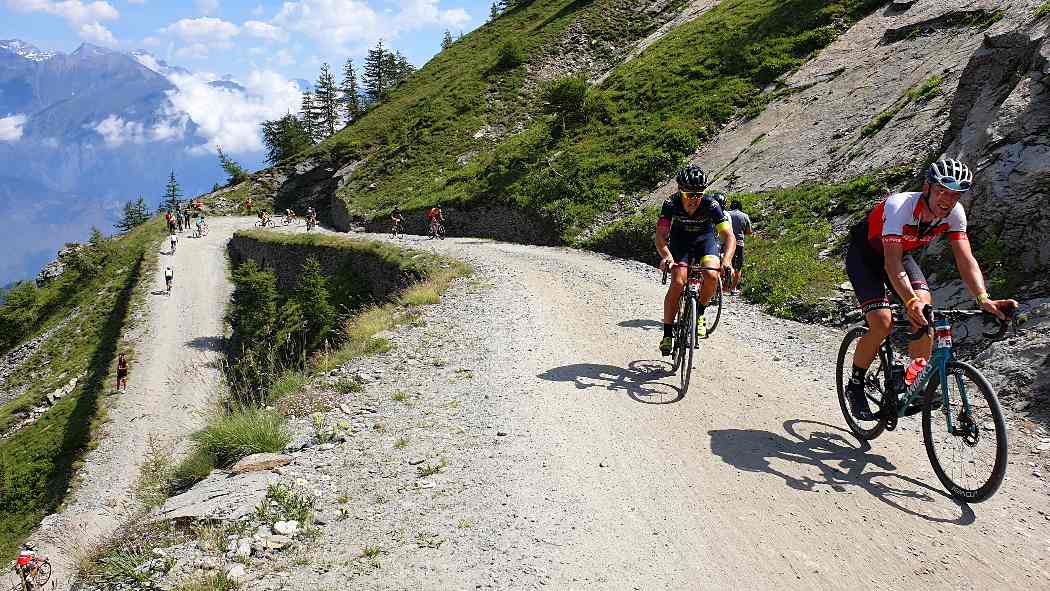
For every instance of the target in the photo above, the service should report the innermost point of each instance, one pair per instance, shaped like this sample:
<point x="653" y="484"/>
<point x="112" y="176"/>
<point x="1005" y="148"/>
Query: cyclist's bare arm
<point x="662" y="232"/>
<point x="894" y="265"/>
<point x="725" y="229"/>
<point x="970" y="271"/>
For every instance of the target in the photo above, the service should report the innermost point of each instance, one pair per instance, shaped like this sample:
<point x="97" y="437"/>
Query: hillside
<point x="59" y="347"/>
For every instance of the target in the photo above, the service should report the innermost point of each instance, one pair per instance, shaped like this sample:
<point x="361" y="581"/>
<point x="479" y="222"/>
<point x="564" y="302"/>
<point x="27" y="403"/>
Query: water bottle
<point x="914" y="369"/>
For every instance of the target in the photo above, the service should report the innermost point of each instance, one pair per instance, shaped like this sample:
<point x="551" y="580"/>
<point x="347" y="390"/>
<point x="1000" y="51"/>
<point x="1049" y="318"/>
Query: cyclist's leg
<point x="738" y="264"/>
<point x="924" y="346"/>
<point x="867" y="277"/>
<point x="706" y="250"/>
<point x="679" y="276"/>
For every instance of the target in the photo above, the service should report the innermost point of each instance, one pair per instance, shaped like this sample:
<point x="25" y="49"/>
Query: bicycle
<point x="32" y="575"/>
<point x="204" y="229"/>
<point x="965" y="426"/>
<point x="437" y="230"/>
<point x="684" y="331"/>
<point x="396" y="229"/>
<point x="310" y="223"/>
<point x="269" y="223"/>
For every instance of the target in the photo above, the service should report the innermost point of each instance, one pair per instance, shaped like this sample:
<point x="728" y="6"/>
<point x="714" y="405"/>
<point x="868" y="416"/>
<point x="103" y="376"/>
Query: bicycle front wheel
<point x="688" y="340"/>
<point x="873" y="384"/>
<point x="42" y="574"/>
<point x="713" y="311"/>
<point x="970" y="459"/>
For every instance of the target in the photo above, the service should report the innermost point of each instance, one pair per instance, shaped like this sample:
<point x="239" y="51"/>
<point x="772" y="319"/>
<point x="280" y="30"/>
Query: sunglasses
<point x="954" y="184"/>
<point x="692" y="195"/>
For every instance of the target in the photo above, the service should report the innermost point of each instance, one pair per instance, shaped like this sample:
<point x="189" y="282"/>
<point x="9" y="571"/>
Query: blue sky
<point x="238" y="37"/>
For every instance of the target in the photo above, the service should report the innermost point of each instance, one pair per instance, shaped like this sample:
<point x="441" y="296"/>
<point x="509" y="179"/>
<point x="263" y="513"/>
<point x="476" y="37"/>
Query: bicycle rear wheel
<point x="873" y="384"/>
<point x="688" y="340"/>
<point x="713" y="311"/>
<point x="970" y="461"/>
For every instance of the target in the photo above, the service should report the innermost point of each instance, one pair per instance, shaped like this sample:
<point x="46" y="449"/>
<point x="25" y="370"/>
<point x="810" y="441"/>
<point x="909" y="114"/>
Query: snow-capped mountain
<point x="25" y="50"/>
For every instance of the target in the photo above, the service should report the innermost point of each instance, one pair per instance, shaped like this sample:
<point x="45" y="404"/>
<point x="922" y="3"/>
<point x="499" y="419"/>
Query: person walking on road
<point x="174" y="240"/>
<point x="741" y="227"/>
<point x="122" y="373"/>
<point x="169" y="278"/>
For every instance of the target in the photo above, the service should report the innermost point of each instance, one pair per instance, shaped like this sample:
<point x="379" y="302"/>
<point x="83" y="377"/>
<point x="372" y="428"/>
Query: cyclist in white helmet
<point x="879" y="256"/>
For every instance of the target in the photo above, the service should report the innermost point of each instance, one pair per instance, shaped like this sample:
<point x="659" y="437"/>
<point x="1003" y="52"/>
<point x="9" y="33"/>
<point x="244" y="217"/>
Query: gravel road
<point x="569" y="463"/>
<point x="174" y="377"/>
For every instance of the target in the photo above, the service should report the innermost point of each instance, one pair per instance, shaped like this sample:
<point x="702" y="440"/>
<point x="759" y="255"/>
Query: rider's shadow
<point x="642" y="323"/>
<point x="640" y="379"/>
<point x="834" y="453"/>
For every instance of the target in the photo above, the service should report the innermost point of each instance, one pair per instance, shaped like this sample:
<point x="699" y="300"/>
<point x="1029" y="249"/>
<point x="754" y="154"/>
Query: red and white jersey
<point x="895" y="220"/>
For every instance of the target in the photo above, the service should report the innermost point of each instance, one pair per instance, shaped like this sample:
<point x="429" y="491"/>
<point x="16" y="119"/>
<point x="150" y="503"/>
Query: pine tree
<point x="309" y="117"/>
<point x="446" y="41"/>
<point x="494" y="10"/>
<point x="237" y="174"/>
<point x="135" y="214"/>
<point x="351" y="94"/>
<point x="285" y="137"/>
<point x="314" y="303"/>
<point x="172" y="192"/>
<point x="375" y="73"/>
<point x="402" y="69"/>
<point x="326" y="102"/>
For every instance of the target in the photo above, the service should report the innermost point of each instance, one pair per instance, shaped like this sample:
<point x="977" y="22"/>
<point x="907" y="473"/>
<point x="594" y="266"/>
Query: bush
<point x="565" y="98"/>
<point x="510" y="55"/>
<point x="235" y="434"/>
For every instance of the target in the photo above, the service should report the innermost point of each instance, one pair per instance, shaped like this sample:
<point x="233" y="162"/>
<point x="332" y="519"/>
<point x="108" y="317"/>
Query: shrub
<point x="565" y="98"/>
<point x="510" y="55"/>
<point x="232" y="435"/>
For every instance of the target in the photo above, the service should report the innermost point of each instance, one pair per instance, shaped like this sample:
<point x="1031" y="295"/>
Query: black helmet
<point x="691" y="178"/>
<point x="720" y="198"/>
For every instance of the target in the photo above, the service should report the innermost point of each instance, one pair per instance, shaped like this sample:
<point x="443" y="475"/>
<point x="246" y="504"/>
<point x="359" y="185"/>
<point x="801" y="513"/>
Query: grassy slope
<point x="37" y="463"/>
<point x="664" y="102"/>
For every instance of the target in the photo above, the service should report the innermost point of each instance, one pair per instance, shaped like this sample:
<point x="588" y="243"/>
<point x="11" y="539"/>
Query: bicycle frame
<point x="942" y="356"/>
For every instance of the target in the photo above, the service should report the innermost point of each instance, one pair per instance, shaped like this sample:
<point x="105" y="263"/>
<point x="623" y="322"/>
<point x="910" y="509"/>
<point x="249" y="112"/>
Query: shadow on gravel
<point x="841" y="462"/>
<point x="207" y="343"/>
<point x="642" y="323"/>
<point x="640" y="379"/>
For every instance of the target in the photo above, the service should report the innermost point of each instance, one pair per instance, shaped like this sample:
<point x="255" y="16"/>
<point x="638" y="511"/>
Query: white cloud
<point x="231" y="118"/>
<point x="258" y="11"/>
<point x="136" y="1"/>
<point x="337" y="24"/>
<point x="11" y="127"/>
<point x="85" y="18"/>
<point x="150" y="41"/>
<point x="117" y="132"/>
<point x="266" y="31"/>
<point x="207" y="6"/>
<point x="202" y="30"/>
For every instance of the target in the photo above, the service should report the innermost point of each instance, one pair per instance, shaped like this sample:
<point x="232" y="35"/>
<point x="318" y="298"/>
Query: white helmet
<point x="950" y="174"/>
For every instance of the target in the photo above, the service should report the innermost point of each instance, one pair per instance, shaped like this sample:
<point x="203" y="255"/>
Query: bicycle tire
<point x="843" y="372"/>
<point x="42" y="574"/>
<point x="677" y="332"/>
<point x="714" y="305"/>
<point x="688" y="345"/>
<point x="987" y="485"/>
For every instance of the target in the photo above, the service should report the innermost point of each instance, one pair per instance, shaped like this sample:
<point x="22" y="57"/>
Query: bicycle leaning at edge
<point x="33" y="573"/>
<point x="969" y="454"/>
<point x="684" y="331"/>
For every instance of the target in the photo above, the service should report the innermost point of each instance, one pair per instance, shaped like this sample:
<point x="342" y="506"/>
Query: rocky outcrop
<point x="55" y="268"/>
<point x="220" y="496"/>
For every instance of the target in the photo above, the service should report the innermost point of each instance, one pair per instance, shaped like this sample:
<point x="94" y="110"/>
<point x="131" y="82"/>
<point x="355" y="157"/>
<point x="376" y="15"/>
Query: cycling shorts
<point x="867" y="274"/>
<point x="703" y="245"/>
<point x="738" y="255"/>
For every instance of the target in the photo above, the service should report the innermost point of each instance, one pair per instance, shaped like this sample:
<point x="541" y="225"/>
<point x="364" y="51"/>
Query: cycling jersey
<point x="895" y="220"/>
<point x="685" y="227"/>
<point x="434" y="213"/>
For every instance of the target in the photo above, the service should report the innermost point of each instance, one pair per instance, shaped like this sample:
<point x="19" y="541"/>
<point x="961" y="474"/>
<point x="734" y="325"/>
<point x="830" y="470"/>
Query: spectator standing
<point x="741" y="227"/>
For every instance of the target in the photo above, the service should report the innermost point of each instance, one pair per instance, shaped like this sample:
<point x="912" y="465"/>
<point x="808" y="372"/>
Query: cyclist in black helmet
<point x="687" y="225"/>
<point x="879" y="256"/>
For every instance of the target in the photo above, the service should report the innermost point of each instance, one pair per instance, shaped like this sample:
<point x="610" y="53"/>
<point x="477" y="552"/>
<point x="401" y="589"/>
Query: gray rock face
<point x="55" y="268"/>
<point x="219" y="496"/>
<point x="260" y="462"/>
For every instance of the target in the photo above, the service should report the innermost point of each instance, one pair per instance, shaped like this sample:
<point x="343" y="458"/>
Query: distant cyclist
<point x="398" y="221"/>
<point x="174" y="240"/>
<point x="200" y="224"/>
<point x="686" y="228"/>
<point x="169" y="278"/>
<point x="741" y="227"/>
<point x="879" y="256"/>
<point x="122" y="373"/>
<point x="437" y="219"/>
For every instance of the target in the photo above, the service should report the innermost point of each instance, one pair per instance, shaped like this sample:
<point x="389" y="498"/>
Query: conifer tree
<point x="172" y="193"/>
<point x="351" y="94"/>
<point x="446" y="41"/>
<point x="236" y="172"/>
<point x="135" y="214"/>
<point x="375" y="73"/>
<point x="309" y="117"/>
<point x="326" y="102"/>
<point x="285" y="137"/>
<point x="401" y="68"/>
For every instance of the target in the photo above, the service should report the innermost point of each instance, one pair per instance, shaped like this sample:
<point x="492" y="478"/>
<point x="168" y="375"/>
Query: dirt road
<point x="601" y="479"/>
<point x="172" y="380"/>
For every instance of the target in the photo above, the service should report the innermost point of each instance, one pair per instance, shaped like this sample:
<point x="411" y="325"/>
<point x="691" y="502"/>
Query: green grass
<point x="117" y="559"/>
<point x="288" y="383"/>
<point x="1042" y="10"/>
<point x="656" y="109"/>
<point x="213" y="582"/>
<point x="233" y="434"/>
<point x="38" y="462"/>
<point x="923" y="92"/>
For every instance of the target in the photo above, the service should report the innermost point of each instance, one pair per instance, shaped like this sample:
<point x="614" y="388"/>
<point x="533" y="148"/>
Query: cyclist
<point x="879" y="256"/>
<point x="169" y="278"/>
<point x="122" y="373"/>
<point x="200" y="224"/>
<point x="311" y="218"/>
<point x="741" y="227"/>
<point x="689" y="219"/>
<point x="398" y="221"/>
<point x="436" y="217"/>
<point x="25" y="563"/>
<point x="174" y="240"/>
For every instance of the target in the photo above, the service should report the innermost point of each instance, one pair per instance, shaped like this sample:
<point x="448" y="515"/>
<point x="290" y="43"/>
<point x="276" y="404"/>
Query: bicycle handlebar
<point x="997" y="335"/>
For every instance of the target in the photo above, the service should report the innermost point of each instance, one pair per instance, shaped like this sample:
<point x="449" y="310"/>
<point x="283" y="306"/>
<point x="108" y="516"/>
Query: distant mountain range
<point x="80" y="134"/>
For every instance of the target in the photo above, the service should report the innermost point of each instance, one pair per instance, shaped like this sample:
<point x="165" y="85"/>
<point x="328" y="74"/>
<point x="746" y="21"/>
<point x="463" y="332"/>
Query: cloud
<point x="207" y="6"/>
<point x="337" y="24"/>
<point x="266" y="31"/>
<point x="85" y="18"/>
<point x="231" y="118"/>
<point x="116" y="132"/>
<point x="201" y="35"/>
<point x="11" y="127"/>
